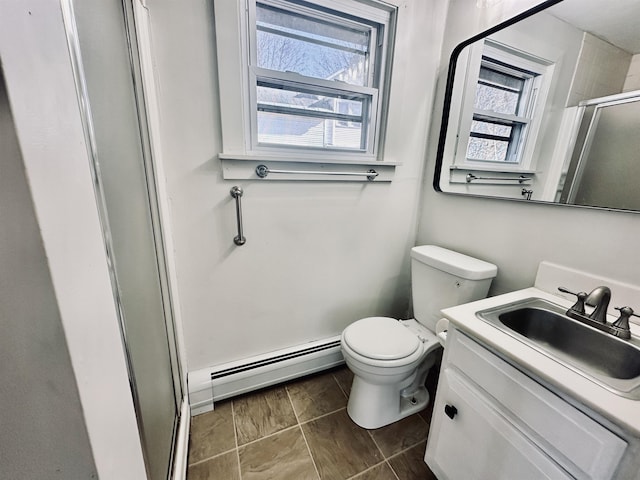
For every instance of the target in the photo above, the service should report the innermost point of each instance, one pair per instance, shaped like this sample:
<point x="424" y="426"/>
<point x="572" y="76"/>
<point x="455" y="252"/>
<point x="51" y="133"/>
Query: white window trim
<point x="232" y="26"/>
<point x="542" y="83"/>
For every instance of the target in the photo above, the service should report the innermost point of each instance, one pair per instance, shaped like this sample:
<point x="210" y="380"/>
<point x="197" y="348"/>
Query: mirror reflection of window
<point x="506" y="93"/>
<point x="499" y="118"/>
<point x="590" y="56"/>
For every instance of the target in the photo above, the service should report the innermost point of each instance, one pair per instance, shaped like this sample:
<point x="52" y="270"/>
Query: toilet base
<point x="374" y="406"/>
<point x="374" y="402"/>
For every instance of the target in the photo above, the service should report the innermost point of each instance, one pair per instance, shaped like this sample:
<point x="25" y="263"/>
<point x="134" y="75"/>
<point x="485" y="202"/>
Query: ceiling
<point x="615" y="21"/>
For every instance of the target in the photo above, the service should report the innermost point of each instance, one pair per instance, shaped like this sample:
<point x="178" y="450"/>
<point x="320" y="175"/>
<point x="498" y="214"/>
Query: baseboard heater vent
<point x="217" y="383"/>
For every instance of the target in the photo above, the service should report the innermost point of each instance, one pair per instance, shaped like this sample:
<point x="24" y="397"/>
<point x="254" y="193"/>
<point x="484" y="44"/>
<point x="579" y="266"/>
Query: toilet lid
<point x="381" y="338"/>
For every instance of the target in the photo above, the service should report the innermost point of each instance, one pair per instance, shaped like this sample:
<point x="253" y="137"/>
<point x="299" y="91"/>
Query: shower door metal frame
<point x="176" y="367"/>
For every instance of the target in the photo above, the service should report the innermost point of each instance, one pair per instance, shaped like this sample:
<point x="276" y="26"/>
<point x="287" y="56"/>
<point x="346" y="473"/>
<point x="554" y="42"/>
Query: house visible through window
<point x="316" y="75"/>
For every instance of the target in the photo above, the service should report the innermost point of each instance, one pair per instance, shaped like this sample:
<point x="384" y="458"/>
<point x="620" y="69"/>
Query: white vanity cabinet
<point x="492" y="422"/>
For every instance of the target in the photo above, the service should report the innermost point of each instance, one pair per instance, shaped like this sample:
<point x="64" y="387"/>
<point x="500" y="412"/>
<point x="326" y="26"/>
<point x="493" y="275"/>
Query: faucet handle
<point x="579" y="305"/>
<point x="625" y="313"/>
<point x="621" y="325"/>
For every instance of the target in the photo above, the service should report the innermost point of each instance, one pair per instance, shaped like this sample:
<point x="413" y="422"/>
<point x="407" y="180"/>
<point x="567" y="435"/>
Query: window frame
<point x="236" y="48"/>
<point x="518" y="121"/>
<point x="323" y="87"/>
<point x="538" y="75"/>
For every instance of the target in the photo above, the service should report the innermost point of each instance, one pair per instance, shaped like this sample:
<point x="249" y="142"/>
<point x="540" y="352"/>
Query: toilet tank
<point x="442" y="278"/>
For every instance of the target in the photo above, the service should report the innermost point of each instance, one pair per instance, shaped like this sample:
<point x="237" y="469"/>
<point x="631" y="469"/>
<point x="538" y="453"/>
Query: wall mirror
<point x="546" y="107"/>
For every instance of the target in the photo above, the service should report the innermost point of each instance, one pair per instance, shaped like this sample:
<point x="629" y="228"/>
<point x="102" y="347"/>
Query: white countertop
<point x="622" y="411"/>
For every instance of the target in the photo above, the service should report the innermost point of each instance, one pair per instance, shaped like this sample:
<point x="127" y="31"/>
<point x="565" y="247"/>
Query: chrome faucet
<point x="599" y="299"/>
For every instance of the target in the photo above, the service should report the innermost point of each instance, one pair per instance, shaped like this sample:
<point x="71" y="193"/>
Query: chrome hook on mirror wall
<point x="236" y="192"/>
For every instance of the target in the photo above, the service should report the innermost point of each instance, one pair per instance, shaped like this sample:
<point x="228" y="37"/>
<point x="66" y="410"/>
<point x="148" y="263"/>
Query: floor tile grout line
<point x="405" y="450"/>
<point x="346" y="395"/>
<point x="355" y="477"/>
<point x="376" y="444"/>
<point x="235" y="436"/>
<point x="386" y="460"/>
<point x="352" y="477"/>
<point x="212" y="457"/>
<point x="291" y="427"/>
<point x="322" y="416"/>
<point x="304" y="437"/>
<point x="397" y="455"/>
<point x="313" y="461"/>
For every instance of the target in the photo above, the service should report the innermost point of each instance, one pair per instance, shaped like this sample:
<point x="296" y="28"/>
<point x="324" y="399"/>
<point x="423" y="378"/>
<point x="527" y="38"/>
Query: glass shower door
<point x="125" y="188"/>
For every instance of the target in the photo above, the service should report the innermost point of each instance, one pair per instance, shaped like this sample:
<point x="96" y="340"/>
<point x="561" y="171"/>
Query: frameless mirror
<point x="546" y="107"/>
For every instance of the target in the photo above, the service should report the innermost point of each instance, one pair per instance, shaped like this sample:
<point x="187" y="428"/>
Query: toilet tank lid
<point x="455" y="263"/>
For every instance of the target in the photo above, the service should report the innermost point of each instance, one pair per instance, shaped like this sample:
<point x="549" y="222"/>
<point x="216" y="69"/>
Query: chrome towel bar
<point x="521" y="179"/>
<point x="236" y="192"/>
<point x="262" y="171"/>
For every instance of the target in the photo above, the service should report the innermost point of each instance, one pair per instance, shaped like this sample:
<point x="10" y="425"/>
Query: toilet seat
<point x="382" y="341"/>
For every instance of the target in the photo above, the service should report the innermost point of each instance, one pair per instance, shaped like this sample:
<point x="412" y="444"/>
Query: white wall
<point x="632" y="81"/>
<point x="319" y="255"/>
<point x="601" y="70"/>
<point x="517" y="236"/>
<point x="38" y="393"/>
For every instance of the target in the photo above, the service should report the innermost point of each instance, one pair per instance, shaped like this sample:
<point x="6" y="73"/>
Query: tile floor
<point x="301" y="431"/>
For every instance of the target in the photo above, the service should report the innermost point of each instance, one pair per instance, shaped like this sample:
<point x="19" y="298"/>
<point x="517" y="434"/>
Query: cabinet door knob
<point x="450" y="410"/>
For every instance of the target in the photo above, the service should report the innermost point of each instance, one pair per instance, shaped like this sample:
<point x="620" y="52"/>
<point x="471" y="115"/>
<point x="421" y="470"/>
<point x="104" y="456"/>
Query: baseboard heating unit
<point x="213" y="384"/>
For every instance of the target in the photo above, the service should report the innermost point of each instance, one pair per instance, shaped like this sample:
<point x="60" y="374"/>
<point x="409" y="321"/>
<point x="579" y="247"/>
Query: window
<point x="317" y="78"/>
<point x="315" y="75"/>
<point x="509" y="91"/>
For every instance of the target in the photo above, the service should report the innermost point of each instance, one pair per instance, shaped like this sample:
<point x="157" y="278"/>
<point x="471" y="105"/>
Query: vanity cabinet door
<point x="470" y="440"/>
<point x="576" y="442"/>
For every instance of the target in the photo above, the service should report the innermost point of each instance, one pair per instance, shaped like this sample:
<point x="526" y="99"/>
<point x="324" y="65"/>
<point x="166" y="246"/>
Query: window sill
<point x="244" y="167"/>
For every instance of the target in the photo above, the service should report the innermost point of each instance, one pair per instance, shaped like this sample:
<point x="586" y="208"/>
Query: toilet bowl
<point x="387" y="386"/>
<point x="390" y="359"/>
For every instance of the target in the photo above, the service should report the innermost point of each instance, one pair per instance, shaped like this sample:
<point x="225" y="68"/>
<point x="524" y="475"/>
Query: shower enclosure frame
<point x="176" y="467"/>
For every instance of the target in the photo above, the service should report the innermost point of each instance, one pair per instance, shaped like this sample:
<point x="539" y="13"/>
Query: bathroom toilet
<point x="390" y="358"/>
